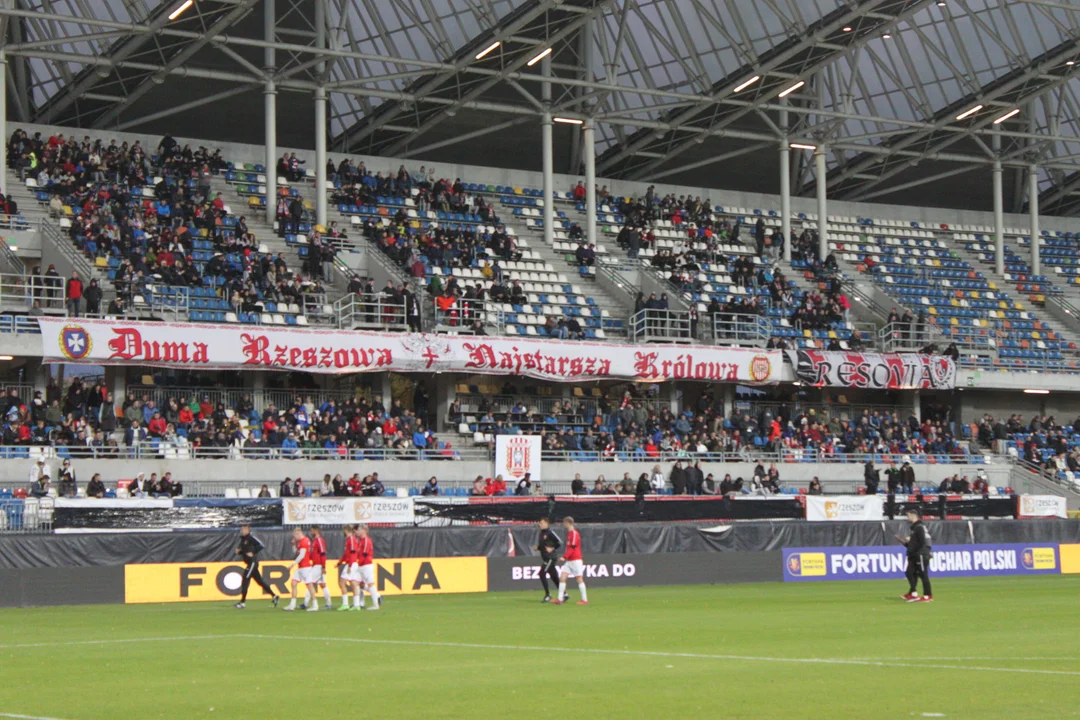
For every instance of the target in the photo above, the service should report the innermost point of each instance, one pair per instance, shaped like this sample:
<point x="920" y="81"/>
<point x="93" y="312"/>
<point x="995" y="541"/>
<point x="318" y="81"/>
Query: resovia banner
<point x="346" y="511"/>
<point x="887" y="563"/>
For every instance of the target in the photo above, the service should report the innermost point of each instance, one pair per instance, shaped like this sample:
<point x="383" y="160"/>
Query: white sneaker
<point x="289" y="608"/>
<point x="313" y="608"/>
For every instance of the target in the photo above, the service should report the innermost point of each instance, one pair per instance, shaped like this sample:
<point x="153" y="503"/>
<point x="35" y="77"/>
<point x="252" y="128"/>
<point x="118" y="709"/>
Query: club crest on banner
<point x="363" y="510"/>
<point x="760" y="368"/>
<point x="75" y="342"/>
<point x="296" y="510"/>
<point x="519" y="457"/>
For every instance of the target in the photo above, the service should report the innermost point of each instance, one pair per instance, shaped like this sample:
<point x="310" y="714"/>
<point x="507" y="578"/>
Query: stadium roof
<point x="886" y="85"/>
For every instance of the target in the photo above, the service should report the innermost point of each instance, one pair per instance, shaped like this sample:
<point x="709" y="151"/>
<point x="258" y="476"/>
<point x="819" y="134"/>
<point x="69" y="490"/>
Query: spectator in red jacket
<point x="157" y="425"/>
<point x="74" y="293"/>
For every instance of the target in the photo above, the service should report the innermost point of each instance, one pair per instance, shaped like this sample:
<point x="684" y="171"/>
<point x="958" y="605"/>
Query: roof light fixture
<point x="1070" y="62"/>
<point x="7" y="357"/>
<point x="847" y="28"/>
<point x="180" y="10"/>
<point x="802" y="146"/>
<point x="793" y="88"/>
<point x="569" y="121"/>
<point x="488" y="50"/>
<point x="1031" y="391"/>
<point x="543" y="54"/>
<point x="886" y="36"/>
<point x="968" y="113"/>
<point x="1006" y="116"/>
<point x="747" y="83"/>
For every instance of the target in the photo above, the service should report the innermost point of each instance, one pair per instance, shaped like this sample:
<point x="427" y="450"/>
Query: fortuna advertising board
<point x="191" y="345"/>
<point x="884" y="563"/>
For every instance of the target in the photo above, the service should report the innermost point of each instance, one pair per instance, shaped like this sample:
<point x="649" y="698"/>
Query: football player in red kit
<point x="366" y="561"/>
<point x="349" y="570"/>
<point x="574" y="566"/>
<point x="300" y="569"/>
<point x="318" y="560"/>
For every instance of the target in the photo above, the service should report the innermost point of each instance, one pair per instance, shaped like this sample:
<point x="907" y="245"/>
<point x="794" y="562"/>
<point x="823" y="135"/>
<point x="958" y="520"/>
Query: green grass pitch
<point x="986" y="648"/>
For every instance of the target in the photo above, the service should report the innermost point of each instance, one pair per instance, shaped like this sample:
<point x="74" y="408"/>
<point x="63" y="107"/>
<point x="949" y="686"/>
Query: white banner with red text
<point x="517" y="456"/>
<point x="845" y="507"/>
<point x="258" y="347"/>
<point x="874" y="371"/>
<point x="346" y="510"/>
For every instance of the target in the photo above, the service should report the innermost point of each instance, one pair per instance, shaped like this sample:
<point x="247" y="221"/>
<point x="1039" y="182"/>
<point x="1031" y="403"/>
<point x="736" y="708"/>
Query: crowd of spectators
<point x="150" y="241"/>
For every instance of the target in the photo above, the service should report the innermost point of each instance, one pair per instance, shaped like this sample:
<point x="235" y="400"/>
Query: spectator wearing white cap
<point x="36" y="470"/>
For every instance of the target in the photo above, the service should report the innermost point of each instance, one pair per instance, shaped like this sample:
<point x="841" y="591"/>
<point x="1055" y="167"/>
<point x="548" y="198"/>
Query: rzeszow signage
<point x="190" y="345"/>
<point x="845" y="507"/>
<point x="516" y="456"/>
<point x="346" y="511"/>
<point x="1032" y="506"/>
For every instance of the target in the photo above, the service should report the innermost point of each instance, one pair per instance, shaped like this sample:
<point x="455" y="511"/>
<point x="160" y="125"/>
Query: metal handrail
<point x="20" y="291"/>
<point x="358" y="311"/>
<point x="651" y="325"/>
<point x="740" y="329"/>
<point x="67" y="248"/>
<point x="460" y="314"/>
<point x="482" y="452"/>
<point x="16" y="263"/>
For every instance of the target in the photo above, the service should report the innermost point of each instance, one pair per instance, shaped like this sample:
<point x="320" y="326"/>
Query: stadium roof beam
<point x="121" y="50"/>
<point x="550" y="19"/>
<point x="220" y="25"/>
<point x="794" y="60"/>
<point x="971" y="113"/>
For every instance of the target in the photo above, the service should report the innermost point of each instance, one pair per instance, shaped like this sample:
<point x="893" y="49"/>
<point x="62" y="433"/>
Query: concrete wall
<point x="556" y="475"/>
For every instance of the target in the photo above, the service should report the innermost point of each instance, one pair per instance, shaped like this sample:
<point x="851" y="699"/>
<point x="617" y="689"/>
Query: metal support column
<point x="270" y="110"/>
<point x="785" y="186"/>
<point x="549" y="156"/>
<point x="3" y="120"/>
<point x="999" y="210"/>
<point x="822" y="203"/>
<point x="320" y="117"/>
<point x="1033" y="207"/>
<point x="589" y="149"/>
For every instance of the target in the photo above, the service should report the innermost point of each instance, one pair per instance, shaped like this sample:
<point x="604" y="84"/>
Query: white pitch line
<point x="25" y="717"/>
<point x="546" y="648"/>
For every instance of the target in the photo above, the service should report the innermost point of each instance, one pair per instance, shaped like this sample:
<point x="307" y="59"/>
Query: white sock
<point x="584" y="595"/>
<point x="376" y="598"/>
<point x="358" y="599"/>
<point x="326" y="594"/>
<point x="562" y="589"/>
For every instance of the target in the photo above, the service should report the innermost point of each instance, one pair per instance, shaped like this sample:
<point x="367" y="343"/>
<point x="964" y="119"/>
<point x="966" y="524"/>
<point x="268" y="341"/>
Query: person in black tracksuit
<point x="249" y="549"/>
<point x="918" y="545"/>
<point x="548" y="543"/>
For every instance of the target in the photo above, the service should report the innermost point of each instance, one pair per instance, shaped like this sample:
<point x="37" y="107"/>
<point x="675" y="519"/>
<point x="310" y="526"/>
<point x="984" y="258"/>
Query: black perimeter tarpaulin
<point x="617" y="509"/>
<point x="183" y="514"/>
<point x="112" y="549"/>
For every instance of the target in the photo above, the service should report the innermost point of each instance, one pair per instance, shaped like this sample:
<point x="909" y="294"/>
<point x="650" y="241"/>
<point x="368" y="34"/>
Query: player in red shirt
<point x="574" y="566"/>
<point x="302" y="566"/>
<point x="349" y="569"/>
<point x="366" y="561"/>
<point x="318" y="568"/>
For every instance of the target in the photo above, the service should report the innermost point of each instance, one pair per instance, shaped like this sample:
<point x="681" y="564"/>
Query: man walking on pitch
<point x="574" y="565"/>
<point x="548" y="544"/>
<point x="248" y="550"/>
<point x="918" y="545"/>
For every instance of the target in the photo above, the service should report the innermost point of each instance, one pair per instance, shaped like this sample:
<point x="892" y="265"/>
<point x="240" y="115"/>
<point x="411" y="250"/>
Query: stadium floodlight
<point x="969" y="113"/>
<point x="543" y="54"/>
<point x="793" y="88"/>
<point x="488" y="50"/>
<point x="1030" y="391"/>
<point x="886" y="36"/>
<point x="747" y="83"/>
<point x="802" y="146"/>
<point x="1006" y="116"/>
<point x="7" y="357"/>
<point x="180" y="10"/>
<point x="847" y="28"/>
<point x="1070" y="62"/>
<point x="569" y="121"/>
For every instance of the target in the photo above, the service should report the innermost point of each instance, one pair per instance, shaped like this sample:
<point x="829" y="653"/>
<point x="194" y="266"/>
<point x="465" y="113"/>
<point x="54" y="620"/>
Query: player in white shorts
<point x="574" y="567"/>
<point x="349" y="569"/>
<point x="366" y="561"/>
